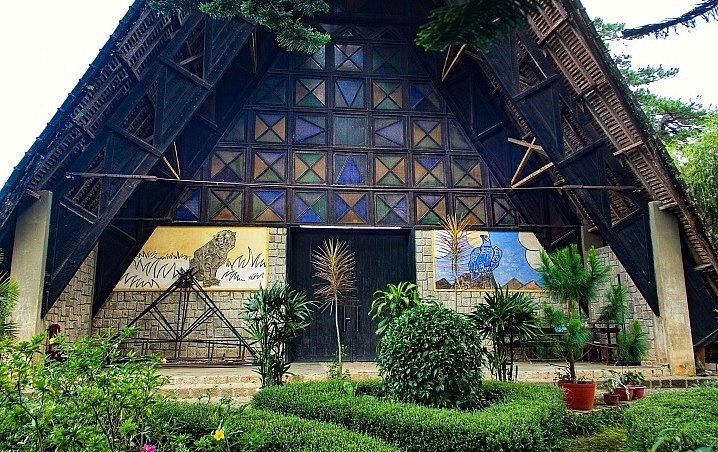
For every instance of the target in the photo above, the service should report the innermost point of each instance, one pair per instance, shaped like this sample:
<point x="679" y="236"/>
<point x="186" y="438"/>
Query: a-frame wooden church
<point x="184" y="121"/>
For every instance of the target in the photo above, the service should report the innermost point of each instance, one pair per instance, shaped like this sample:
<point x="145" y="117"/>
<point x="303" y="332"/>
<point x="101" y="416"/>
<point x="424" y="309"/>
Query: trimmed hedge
<point x="281" y="433"/>
<point x="693" y="413"/>
<point x="524" y="417"/>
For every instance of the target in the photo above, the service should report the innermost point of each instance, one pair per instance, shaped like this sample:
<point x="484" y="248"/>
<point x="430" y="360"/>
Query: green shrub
<point x="96" y="399"/>
<point x="251" y="429"/>
<point x="432" y="356"/>
<point x="689" y="416"/>
<point x="592" y="422"/>
<point x="526" y="417"/>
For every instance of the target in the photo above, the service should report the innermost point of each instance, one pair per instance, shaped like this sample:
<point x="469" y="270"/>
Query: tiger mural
<point x="212" y="255"/>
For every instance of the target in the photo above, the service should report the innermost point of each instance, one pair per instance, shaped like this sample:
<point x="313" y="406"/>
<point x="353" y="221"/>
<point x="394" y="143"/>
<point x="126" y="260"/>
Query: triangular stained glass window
<point x="310" y="92"/>
<point x="310" y="129"/>
<point x="350" y="169"/>
<point x="237" y="132"/>
<point x="270" y="128"/>
<point x="269" y="205"/>
<point x="456" y="137"/>
<point x="349" y="93"/>
<point x="429" y="171"/>
<point x="350" y="207"/>
<point x="348" y="57"/>
<point x="390" y="170"/>
<point x="310" y="167"/>
<point x="504" y="213"/>
<point x="389" y="132"/>
<point x="430" y="209"/>
<point x="391" y="209"/>
<point x="310" y="207"/>
<point x="387" y="95"/>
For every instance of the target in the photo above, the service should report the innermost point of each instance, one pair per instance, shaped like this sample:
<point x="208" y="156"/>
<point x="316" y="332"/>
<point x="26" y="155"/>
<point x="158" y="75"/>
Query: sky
<point x="49" y="44"/>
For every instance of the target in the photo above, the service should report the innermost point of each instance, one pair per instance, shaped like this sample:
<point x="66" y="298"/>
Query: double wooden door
<point x="382" y="256"/>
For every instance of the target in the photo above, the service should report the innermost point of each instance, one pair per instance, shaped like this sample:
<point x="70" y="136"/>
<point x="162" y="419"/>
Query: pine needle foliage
<point x="334" y="265"/>
<point x="474" y="22"/>
<point x="9" y="293"/>
<point x="284" y="17"/>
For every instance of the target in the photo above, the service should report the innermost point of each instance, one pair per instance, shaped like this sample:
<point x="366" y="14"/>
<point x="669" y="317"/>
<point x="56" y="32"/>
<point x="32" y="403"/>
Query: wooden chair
<point x="602" y="348"/>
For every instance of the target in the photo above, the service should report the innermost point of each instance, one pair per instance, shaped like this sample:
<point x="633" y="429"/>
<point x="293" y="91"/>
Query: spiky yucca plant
<point x="450" y="243"/>
<point x="333" y="263"/>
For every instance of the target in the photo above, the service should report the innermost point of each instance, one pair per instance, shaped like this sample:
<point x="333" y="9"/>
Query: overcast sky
<point x="47" y="46"/>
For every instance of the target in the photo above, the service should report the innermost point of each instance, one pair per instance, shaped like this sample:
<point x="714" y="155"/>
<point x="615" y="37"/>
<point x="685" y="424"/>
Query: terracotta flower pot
<point x="624" y="394"/>
<point x="610" y="398"/>
<point x="638" y="391"/>
<point x="579" y="396"/>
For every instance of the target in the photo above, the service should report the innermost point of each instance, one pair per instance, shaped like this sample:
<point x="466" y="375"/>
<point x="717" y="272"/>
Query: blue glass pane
<point x="389" y="132"/>
<point x="349" y="93"/>
<point x="350" y="169"/>
<point x="349" y="130"/>
<point x="310" y="129"/>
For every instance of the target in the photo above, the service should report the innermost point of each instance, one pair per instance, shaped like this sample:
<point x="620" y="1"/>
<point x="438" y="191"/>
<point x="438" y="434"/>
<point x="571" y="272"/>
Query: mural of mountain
<point x="531" y="285"/>
<point x="513" y="284"/>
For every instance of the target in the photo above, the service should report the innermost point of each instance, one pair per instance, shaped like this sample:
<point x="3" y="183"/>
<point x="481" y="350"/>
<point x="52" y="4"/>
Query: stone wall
<point x="73" y="309"/>
<point x="638" y="309"/>
<point x="464" y="301"/>
<point x="124" y="306"/>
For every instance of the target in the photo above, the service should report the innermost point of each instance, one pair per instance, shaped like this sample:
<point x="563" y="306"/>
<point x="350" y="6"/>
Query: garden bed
<point x="522" y="416"/>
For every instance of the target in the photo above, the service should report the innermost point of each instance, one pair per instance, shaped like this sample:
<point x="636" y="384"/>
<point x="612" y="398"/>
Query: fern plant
<point x="394" y="301"/>
<point x="333" y="264"/>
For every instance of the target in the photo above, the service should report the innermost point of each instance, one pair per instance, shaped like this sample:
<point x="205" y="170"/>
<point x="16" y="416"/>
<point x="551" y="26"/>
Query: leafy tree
<point x="475" y="22"/>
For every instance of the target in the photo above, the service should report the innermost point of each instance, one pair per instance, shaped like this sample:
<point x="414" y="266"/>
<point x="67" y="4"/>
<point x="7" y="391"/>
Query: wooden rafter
<point x="448" y="66"/>
<point x="531" y="147"/>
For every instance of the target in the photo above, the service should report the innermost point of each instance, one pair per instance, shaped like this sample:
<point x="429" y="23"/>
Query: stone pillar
<point x="673" y="326"/>
<point x="29" y="255"/>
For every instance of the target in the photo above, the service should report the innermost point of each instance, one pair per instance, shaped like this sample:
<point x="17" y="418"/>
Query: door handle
<point x="356" y="323"/>
<point x="346" y="319"/>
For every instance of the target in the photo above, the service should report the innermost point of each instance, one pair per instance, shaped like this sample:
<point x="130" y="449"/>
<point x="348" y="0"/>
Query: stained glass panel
<point x="310" y="207"/>
<point x="316" y="61"/>
<point x="310" y="129"/>
<point x="429" y="171"/>
<point x="390" y="170"/>
<point x="349" y="93"/>
<point x="272" y="91"/>
<point x="270" y="166"/>
<point x="269" y="205"/>
<point x="351" y="207"/>
<point x="270" y="128"/>
<point x="310" y="92"/>
<point x="426" y="133"/>
<point x="227" y="165"/>
<point x="471" y="208"/>
<point x="466" y="172"/>
<point x="349" y="130"/>
<point x="350" y="169"/>
<point x="188" y="210"/>
<point x="387" y="60"/>
<point x="424" y="97"/>
<point x="389" y="132"/>
<point x="430" y="209"/>
<point x="391" y="209"/>
<point x="387" y="95"/>
<point x="348" y="57"/>
<point x="225" y="205"/>
<point x="310" y="167"/>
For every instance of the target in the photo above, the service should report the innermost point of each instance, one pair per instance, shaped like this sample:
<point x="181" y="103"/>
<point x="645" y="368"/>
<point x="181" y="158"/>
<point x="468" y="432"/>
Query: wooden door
<point x="382" y="256"/>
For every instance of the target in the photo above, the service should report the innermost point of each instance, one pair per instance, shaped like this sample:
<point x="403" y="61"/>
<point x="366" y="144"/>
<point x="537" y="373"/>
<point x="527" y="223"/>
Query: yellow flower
<point x="218" y="434"/>
<point x="52" y="340"/>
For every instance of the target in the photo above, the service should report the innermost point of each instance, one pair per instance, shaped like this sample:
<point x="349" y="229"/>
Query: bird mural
<point x="484" y="259"/>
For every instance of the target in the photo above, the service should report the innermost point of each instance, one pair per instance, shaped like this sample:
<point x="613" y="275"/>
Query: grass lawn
<point x="611" y="439"/>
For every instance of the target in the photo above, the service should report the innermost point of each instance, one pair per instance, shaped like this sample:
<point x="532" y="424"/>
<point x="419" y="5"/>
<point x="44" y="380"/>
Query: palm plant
<point x="632" y="344"/>
<point x="334" y="264"/>
<point x="573" y="282"/>
<point x="389" y="304"/>
<point x="506" y="318"/>
<point x="273" y="316"/>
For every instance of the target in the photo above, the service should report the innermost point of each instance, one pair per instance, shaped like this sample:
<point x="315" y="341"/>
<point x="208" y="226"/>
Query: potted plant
<point x="506" y="319"/>
<point x="611" y="396"/>
<point x="573" y="281"/>
<point x="636" y="381"/>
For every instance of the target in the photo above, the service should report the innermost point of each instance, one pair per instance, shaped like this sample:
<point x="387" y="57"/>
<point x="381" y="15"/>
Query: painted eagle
<point x="484" y="259"/>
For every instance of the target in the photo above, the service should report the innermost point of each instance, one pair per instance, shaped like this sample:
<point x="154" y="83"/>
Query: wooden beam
<point x="532" y="176"/>
<point x="523" y="163"/>
<point x="447" y="70"/>
<point x="531" y="145"/>
<point x="638" y="143"/>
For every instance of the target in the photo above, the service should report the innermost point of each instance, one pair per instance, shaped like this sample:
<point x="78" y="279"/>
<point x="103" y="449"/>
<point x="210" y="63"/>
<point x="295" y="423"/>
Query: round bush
<point x="432" y="356"/>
